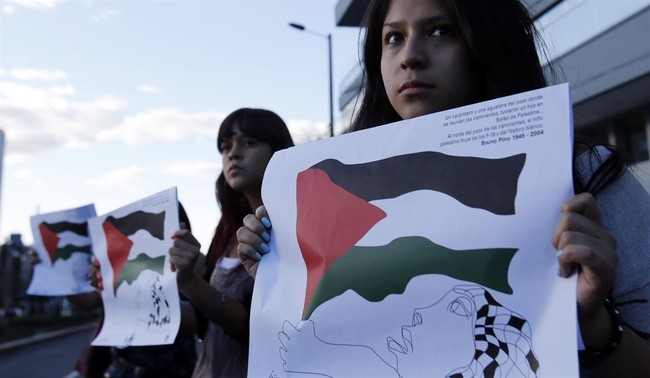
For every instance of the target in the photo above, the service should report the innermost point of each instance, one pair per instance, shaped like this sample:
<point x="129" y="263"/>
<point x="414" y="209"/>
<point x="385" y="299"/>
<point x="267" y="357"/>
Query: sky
<point x="108" y="102"/>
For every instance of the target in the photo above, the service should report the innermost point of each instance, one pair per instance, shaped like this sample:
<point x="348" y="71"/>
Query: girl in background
<point x="220" y="289"/>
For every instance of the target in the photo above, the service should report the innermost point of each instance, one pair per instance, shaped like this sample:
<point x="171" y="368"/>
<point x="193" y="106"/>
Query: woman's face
<point x="244" y="160"/>
<point x="426" y="65"/>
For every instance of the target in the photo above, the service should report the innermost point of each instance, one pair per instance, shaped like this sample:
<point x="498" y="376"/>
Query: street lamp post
<point x="329" y="50"/>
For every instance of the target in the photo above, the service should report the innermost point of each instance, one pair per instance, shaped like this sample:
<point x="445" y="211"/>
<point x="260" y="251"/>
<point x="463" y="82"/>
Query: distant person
<point x="247" y="139"/>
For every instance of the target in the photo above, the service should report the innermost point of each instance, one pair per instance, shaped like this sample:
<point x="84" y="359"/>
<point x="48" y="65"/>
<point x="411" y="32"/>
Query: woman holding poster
<point x="422" y="57"/>
<point x="247" y="139"/>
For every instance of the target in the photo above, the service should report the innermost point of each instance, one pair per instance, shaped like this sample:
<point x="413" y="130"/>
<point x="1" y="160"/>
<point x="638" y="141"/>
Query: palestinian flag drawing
<point x="118" y="230"/>
<point x="51" y="235"/>
<point x="334" y="211"/>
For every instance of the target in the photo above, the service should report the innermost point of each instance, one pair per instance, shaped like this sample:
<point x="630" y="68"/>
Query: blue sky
<point x="107" y="102"/>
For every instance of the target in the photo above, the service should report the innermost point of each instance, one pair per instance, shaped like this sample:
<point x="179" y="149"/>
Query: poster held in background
<point x="140" y="295"/>
<point x="421" y="246"/>
<point x="63" y="245"/>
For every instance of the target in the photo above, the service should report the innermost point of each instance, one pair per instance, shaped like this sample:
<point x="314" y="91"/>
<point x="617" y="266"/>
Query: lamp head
<point x="296" y="26"/>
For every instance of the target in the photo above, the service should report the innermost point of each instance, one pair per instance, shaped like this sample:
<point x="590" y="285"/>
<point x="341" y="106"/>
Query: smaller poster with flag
<point x="421" y="247"/>
<point x="64" y="249"/>
<point x="140" y="296"/>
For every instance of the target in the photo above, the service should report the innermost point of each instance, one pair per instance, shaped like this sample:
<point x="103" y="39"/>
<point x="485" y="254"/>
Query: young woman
<point x="423" y="56"/>
<point x="247" y="139"/>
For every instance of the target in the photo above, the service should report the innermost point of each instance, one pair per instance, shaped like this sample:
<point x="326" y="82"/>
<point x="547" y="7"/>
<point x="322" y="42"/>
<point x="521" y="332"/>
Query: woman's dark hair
<point x="503" y="40"/>
<point x="609" y="168"/>
<point x="500" y="35"/>
<point x="265" y="127"/>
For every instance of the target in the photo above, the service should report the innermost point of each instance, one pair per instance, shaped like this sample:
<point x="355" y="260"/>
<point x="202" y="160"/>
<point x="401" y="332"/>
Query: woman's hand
<point x="583" y="243"/>
<point x="94" y="274"/>
<point x="92" y="299"/>
<point x="32" y="257"/>
<point x="184" y="254"/>
<point x="253" y="239"/>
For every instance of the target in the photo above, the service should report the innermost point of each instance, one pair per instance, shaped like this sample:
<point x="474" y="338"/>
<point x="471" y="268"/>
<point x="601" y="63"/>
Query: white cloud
<point x="149" y="89"/>
<point x="123" y="178"/>
<point x="167" y="125"/>
<point x="37" y="119"/>
<point x="23" y="174"/>
<point x="303" y="131"/>
<point x="105" y="15"/>
<point x="39" y="183"/>
<point x="27" y="175"/>
<point x="194" y="168"/>
<point x="33" y="74"/>
<point x="64" y="90"/>
<point x="8" y="10"/>
<point x="37" y="4"/>
<point x="22" y="96"/>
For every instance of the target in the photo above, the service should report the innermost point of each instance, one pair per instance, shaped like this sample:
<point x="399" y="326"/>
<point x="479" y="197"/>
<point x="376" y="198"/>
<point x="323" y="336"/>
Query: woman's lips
<point x="414" y="87"/>
<point x="234" y="169"/>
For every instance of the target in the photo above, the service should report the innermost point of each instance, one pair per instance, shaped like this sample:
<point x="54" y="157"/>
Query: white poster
<point x="140" y="295"/>
<point x="421" y="248"/>
<point x="63" y="245"/>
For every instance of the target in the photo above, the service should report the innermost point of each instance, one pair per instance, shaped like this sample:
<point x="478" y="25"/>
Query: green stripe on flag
<point x="64" y="253"/>
<point x="133" y="268"/>
<point x="376" y="272"/>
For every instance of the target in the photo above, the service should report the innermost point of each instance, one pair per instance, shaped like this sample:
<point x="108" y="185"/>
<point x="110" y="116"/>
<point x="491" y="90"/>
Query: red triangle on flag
<point x="118" y="247"/>
<point x="50" y="240"/>
<point x="330" y="221"/>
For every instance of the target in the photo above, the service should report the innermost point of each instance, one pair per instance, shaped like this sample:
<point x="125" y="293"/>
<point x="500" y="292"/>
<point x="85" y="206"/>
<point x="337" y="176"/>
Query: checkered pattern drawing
<point x="503" y="340"/>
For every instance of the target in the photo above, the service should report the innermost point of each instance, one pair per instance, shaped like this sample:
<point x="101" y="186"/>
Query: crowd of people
<point x="419" y="57"/>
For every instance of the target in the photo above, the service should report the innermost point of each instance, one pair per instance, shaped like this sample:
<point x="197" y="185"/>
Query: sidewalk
<point x="11" y="345"/>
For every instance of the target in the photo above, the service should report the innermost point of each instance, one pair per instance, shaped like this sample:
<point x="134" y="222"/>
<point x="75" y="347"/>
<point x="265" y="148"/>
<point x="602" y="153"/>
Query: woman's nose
<point x="234" y="152"/>
<point x="413" y="54"/>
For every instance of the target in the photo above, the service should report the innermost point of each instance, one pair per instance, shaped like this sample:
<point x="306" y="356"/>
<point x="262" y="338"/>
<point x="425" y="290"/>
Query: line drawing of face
<point x="442" y="332"/>
<point x="500" y="339"/>
<point x="426" y="64"/>
<point x="465" y="333"/>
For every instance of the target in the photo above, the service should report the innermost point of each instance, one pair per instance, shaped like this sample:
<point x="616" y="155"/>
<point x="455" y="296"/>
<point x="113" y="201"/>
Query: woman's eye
<point x="249" y="143"/>
<point x="440" y="31"/>
<point x="225" y="146"/>
<point x="392" y="38"/>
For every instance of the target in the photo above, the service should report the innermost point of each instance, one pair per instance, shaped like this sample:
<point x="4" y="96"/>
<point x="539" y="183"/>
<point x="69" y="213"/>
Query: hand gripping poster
<point x="63" y="246"/>
<point x="421" y="248"/>
<point x="140" y="295"/>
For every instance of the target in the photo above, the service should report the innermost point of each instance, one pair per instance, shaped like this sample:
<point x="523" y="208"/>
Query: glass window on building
<point x="632" y="137"/>
<point x="596" y="134"/>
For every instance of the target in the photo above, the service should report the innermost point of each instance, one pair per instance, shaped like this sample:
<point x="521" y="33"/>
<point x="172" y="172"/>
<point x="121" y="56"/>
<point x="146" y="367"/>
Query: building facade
<point x="600" y="47"/>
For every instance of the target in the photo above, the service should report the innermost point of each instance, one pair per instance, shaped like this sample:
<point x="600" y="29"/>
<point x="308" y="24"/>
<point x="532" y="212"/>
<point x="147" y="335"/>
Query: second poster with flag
<point x="140" y="295"/>
<point x="421" y="246"/>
